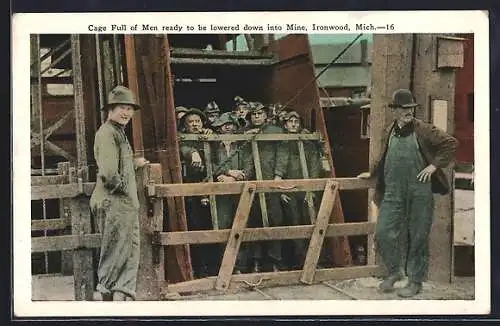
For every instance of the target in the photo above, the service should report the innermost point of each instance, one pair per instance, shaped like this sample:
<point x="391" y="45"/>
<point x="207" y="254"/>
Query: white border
<point x="404" y="22"/>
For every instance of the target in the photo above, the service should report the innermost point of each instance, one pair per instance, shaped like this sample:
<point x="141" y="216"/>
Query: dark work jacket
<point x="312" y="151"/>
<point x="436" y="146"/>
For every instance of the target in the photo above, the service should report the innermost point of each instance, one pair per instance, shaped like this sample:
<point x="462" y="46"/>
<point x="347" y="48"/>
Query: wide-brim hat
<point x="181" y="109"/>
<point x="224" y="118"/>
<point x="121" y="95"/>
<point x="191" y="111"/>
<point x="403" y="98"/>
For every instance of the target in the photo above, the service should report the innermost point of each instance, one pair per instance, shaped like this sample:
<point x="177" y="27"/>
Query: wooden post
<point x="235" y="237"/>
<point x="82" y="257"/>
<point x="151" y="273"/>
<point x="258" y="175"/>
<point x="67" y="255"/>
<point x="213" y="202"/>
<point x="319" y="232"/>
<point x="391" y="69"/>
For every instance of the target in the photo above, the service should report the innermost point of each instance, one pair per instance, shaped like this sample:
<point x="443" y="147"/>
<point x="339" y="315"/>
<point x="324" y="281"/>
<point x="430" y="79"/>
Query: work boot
<point x="387" y="284"/>
<point x="411" y="289"/>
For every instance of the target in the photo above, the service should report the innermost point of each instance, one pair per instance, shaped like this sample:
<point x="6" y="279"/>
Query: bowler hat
<point x="402" y="98"/>
<point x="224" y="118"/>
<point x="121" y="95"/>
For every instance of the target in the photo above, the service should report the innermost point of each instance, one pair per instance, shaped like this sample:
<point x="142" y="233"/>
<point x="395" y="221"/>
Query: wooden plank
<point x="275" y="279"/>
<point x="81" y="140"/>
<point x="82" y="258"/>
<point x="213" y="204"/>
<point x="318" y="236"/>
<point x="64" y="169"/>
<point x="152" y="259"/>
<point x="258" y="174"/>
<point x="225" y="61"/>
<point x="47" y="180"/>
<point x="187" y="52"/>
<point x="288" y="185"/>
<point x="265" y="234"/>
<point x="256" y="137"/>
<point x="49" y="224"/>
<point x="44" y="172"/>
<point x="65" y="242"/>
<point x="305" y="175"/>
<point x="60" y="191"/>
<point x="235" y="238"/>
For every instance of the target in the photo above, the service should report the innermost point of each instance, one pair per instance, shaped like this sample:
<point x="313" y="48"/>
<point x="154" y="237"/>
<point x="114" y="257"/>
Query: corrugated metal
<point x="342" y="76"/>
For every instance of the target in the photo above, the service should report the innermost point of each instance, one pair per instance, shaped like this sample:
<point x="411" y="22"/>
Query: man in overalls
<point x="407" y="174"/>
<point x="114" y="200"/>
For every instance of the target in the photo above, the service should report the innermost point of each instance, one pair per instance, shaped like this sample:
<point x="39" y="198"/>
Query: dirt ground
<point x="60" y="288"/>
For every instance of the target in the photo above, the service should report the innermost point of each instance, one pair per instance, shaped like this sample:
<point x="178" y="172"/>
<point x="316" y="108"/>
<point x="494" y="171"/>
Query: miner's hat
<point x="121" y="95"/>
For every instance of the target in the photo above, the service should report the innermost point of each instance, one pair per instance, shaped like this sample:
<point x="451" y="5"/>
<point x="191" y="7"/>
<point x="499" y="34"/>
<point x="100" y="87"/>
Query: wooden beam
<point x="49" y="224"/>
<point x="213" y="203"/>
<point x="60" y="191"/>
<point x="248" y="137"/>
<point x="305" y="175"/>
<point x="65" y="242"/>
<point x="265" y="234"/>
<point x="241" y="281"/>
<point x="47" y="180"/>
<point x="65" y="171"/>
<point x="235" y="238"/>
<point x="223" y="188"/>
<point x="319" y="231"/>
<point x="224" y="61"/>
<point x="191" y="53"/>
<point x="258" y="175"/>
<point x="80" y="130"/>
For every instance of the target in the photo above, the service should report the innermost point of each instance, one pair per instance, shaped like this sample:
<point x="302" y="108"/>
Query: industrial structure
<point x="167" y="69"/>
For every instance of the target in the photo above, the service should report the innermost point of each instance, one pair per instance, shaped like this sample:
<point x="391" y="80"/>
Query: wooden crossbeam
<point x="318" y="236"/>
<point x="49" y="224"/>
<point x="252" y="137"/>
<point x="223" y="188"/>
<point x="241" y="281"/>
<point x="65" y="242"/>
<point x="265" y="234"/>
<point x="47" y="180"/>
<point x="69" y="190"/>
<point x="235" y="237"/>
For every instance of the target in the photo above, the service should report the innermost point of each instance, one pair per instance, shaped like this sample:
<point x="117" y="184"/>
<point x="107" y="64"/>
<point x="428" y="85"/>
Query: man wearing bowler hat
<point x="114" y="200"/>
<point x="408" y="172"/>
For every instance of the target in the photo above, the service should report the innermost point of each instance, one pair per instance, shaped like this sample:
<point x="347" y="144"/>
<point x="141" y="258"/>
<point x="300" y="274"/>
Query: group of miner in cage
<point x="234" y="161"/>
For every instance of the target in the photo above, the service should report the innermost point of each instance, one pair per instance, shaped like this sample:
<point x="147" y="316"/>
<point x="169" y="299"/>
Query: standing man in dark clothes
<point x="228" y="164"/>
<point x="114" y="201"/>
<point x="274" y="160"/>
<point x="198" y="214"/>
<point x="408" y="173"/>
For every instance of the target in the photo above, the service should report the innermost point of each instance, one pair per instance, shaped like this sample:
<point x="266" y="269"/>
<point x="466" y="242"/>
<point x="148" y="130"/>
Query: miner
<point x="408" y="172"/>
<point x="114" y="201"/>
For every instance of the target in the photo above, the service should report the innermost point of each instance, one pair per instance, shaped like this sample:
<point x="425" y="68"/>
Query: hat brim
<point x="107" y="106"/>
<point x="193" y="111"/>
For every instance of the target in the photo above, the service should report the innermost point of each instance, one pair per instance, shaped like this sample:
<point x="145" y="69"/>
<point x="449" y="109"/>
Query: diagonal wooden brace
<point x="319" y="232"/>
<point x="235" y="237"/>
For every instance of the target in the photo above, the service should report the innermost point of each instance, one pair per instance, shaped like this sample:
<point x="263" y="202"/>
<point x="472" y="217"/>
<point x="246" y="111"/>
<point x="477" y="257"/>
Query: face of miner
<point x="193" y="124"/>
<point x="212" y="116"/>
<point x="241" y="111"/>
<point x="292" y="125"/>
<point x="258" y="117"/>
<point x="403" y="115"/>
<point x="121" y="113"/>
<point x="228" y="128"/>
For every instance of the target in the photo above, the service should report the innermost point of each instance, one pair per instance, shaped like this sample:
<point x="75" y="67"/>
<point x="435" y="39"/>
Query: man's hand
<point x="277" y="178"/>
<point x="140" y="162"/>
<point x="365" y="175"/>
<point x="207" y="131"/>
<point x="285" y="198"/>
<point x="237" y="174"/>
<point x="425" y="174"/>
<point x="196" y="160"/>
<point x="225" y="178"/>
